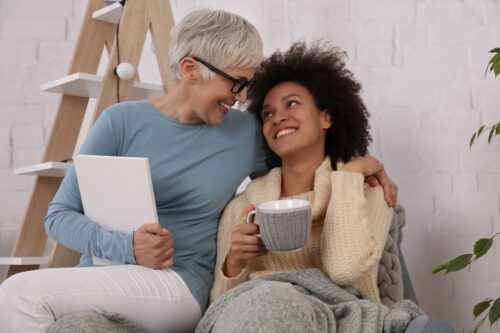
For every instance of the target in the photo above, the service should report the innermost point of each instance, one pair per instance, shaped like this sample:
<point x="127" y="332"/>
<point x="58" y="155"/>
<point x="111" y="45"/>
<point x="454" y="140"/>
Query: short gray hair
<point x="218" y="37"/>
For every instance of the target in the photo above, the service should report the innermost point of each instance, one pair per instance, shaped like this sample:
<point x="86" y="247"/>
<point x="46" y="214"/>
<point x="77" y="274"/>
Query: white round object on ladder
<point x="125" y="71"/>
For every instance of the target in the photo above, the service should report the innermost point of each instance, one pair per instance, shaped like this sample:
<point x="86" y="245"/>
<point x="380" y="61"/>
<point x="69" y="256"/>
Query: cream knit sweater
<point x="351" y="221"/>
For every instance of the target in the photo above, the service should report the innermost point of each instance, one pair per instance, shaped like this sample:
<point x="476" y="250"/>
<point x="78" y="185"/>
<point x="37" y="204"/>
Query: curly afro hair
<point x="321" y="70"/>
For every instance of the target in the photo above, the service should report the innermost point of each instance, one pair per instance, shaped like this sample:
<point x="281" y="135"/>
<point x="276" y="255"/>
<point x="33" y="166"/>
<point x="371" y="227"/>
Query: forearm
<point x="227" y="274"/>
<point x="66" y="223"/>
<point x="231" y="268"/>
<point x="81" y="234"/>
<point x="223" y="282"/>
<point x="354" y="230"/>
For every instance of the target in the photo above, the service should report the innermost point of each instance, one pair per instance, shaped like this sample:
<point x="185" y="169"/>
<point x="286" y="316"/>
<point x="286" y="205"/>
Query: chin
<point x="283" y="153"/>
<point x="217" y="120"/>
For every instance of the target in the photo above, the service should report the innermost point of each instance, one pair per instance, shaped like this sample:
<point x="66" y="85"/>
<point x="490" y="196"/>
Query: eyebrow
<point x="283" y="99"/>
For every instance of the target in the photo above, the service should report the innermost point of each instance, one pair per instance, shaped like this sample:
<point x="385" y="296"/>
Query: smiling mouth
<point x="283" y="132"/>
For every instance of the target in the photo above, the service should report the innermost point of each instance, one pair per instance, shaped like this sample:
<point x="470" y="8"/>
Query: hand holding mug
<point x="245" y="245"/>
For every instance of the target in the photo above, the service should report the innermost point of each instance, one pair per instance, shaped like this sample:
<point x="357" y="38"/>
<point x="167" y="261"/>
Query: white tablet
<point x="117" y="192"/>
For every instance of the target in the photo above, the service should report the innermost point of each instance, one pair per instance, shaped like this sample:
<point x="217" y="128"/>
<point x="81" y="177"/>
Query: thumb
<point x="372" y="181"/>
<point x="154" y="228"/>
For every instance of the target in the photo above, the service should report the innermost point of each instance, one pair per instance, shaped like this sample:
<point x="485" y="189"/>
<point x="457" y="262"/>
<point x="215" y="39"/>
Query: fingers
<point x="390" y="188"/>
<point x="247" y="248"/>
<point x="246" y="229"/>
<point x="153" y="246"/>
<point x="250" y="207"/>
<point x="153" y="228"/>
<point x="245" y="245"/>
<point x="167" y="260"/>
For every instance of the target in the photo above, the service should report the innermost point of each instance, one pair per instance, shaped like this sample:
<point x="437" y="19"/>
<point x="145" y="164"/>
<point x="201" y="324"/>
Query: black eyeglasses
<point x="238" y="84"/>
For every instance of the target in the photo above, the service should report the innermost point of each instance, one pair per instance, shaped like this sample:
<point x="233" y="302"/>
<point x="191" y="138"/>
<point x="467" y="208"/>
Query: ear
<point x="188" y="67"/>
<point x="326" y="119"/>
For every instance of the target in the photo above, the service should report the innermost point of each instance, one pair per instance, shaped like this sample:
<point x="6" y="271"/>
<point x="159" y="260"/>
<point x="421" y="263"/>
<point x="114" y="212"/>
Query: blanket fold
<point x="301" y="301"/>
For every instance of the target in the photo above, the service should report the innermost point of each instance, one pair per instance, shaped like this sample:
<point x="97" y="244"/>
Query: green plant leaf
<point x="472" y="140"/>
<point x="496" y="68"/>
<point x="440" y="267"/>
<point x="491" y="64"/>
<point x="495" y="311"/>
<point x="459" y="263"/>
<point x="482" y="246"/>
<point x="498" y="129"/>
<point x="495" y="58"/>
<point x="480" y="130"/>
<point x="492" y="131"/>
<point x="481" y="307"/>
<point x="495" y="50"/>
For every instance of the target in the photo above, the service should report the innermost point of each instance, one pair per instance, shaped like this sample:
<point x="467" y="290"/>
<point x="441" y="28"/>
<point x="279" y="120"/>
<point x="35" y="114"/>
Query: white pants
<point x="157" y="300"/>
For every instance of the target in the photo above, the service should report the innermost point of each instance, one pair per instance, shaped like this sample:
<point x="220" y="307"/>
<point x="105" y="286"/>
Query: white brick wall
<point x="421" y="63"/>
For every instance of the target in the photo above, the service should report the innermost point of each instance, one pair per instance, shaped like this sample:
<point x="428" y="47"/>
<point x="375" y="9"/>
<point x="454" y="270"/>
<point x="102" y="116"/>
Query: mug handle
<point x="251" y="216"/>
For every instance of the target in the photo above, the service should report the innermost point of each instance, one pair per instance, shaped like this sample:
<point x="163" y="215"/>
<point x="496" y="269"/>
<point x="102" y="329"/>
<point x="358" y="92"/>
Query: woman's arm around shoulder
<point x="355" y="229"/>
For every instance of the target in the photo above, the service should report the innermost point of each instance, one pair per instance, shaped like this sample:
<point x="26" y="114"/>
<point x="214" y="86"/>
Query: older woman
<point x="199" y="150"/>
<point x="316" y="123"/>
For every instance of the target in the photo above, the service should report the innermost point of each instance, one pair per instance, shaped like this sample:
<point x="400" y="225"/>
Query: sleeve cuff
<point x="231" y="282"/>
<point x="130" y="258"/>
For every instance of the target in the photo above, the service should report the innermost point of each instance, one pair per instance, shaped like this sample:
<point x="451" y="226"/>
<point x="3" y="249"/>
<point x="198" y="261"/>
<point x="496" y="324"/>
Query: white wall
<point x="421" y="64"/>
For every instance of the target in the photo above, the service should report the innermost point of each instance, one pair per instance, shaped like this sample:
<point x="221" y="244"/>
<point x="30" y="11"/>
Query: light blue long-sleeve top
<point x="195" y="170"/>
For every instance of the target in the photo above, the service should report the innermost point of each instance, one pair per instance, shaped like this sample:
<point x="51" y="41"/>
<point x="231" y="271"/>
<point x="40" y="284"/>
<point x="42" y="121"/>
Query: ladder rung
<point x="110" y="14"/>
<point x="47" y="169"/>
<point x="89" y="85"/>
<point x="24" y="260"/>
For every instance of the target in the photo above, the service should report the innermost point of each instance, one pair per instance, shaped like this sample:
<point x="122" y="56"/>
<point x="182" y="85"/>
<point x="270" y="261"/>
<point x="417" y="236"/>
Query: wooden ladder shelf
<point x="99" y="29"/>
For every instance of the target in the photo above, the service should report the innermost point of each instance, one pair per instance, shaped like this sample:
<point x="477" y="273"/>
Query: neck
<point x="298" y="174"/>
<point x="174" y="105"/>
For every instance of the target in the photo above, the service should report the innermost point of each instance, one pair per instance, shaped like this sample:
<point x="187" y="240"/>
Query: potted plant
<point x="490" y="307"/>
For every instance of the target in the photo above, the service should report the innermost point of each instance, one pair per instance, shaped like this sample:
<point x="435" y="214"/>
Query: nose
<point x="280" y="116"/>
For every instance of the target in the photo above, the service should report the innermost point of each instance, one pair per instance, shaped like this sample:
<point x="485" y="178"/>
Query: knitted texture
<point x="350" y="223"/>
<point x="285" y="231"/>
<point x="303" y="301"/>
<point x="92" y="322"/>
<point x="389" y="279"/>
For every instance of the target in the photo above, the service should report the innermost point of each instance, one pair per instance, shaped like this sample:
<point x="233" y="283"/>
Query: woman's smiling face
<point x="214" y="97"/>
<point x="293" y="124"/>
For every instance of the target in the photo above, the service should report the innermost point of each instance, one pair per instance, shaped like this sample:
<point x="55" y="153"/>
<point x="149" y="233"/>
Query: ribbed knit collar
<point x="268" y="188"/>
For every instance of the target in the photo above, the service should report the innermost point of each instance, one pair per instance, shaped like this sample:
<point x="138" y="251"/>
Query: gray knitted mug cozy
<point x="285" y="225"/>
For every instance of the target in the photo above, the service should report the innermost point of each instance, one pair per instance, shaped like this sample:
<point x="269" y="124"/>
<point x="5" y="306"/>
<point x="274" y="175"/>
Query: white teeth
<point x="227" y="106"/>
<point x="285" y="132"/>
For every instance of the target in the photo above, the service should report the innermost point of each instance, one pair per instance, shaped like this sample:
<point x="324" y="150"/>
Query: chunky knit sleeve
<point x="356" y="225"/>
<point x="235" y="213"/>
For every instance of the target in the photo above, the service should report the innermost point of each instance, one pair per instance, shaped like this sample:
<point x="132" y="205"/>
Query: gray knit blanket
<point x="390" y="275"/>
<point x="94" y="322"/>
<point x="304" y="301"/>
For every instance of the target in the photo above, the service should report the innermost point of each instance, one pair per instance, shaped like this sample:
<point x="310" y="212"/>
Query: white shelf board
<point x="109" y="13"/>
<point x="89" y="85"/>
<point x="47" y="169"/>
<point x="24" y="260"/>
